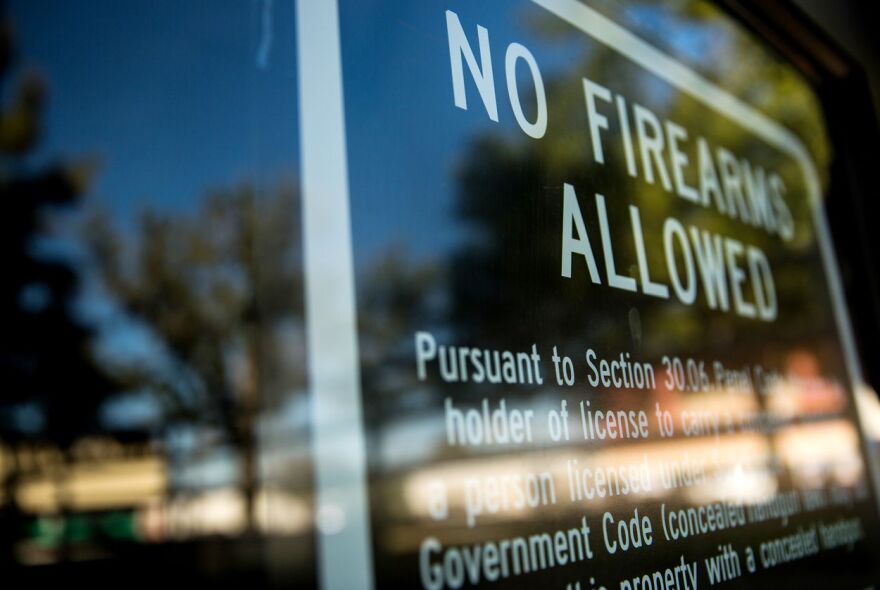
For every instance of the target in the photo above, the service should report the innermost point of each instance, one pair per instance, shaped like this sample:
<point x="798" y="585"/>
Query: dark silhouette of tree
<point x="46" y="363"/>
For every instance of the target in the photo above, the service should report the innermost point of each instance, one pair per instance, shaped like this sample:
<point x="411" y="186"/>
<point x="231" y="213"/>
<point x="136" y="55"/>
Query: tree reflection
<point x="219" y="288"/>
<point x="52" y="384"/>
<point x="201" y="362"/>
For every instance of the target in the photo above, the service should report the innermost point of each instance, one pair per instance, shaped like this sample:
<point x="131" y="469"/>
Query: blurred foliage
<point x="53" y="386"/>
<point x="221" y="289"/>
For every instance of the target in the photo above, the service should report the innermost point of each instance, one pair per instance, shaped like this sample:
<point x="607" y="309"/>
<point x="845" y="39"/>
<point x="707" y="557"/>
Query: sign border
<point x="342" y="516"/>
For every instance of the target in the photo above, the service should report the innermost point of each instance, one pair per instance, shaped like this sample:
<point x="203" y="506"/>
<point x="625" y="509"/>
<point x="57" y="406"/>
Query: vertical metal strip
<point x="342" y="517"/>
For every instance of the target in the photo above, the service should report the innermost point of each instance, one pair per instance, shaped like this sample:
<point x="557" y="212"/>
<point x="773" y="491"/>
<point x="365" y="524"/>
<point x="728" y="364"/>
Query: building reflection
<point x="812" y="447"/>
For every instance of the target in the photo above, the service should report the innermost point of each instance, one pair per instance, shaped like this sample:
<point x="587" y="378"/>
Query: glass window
<point x="422" y="294"/>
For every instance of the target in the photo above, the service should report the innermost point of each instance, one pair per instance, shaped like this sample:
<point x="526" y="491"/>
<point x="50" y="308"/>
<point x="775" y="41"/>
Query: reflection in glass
<point x="473" y="219"/>
<point x="154" y="409"/>
<point x="154" y="420"/>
